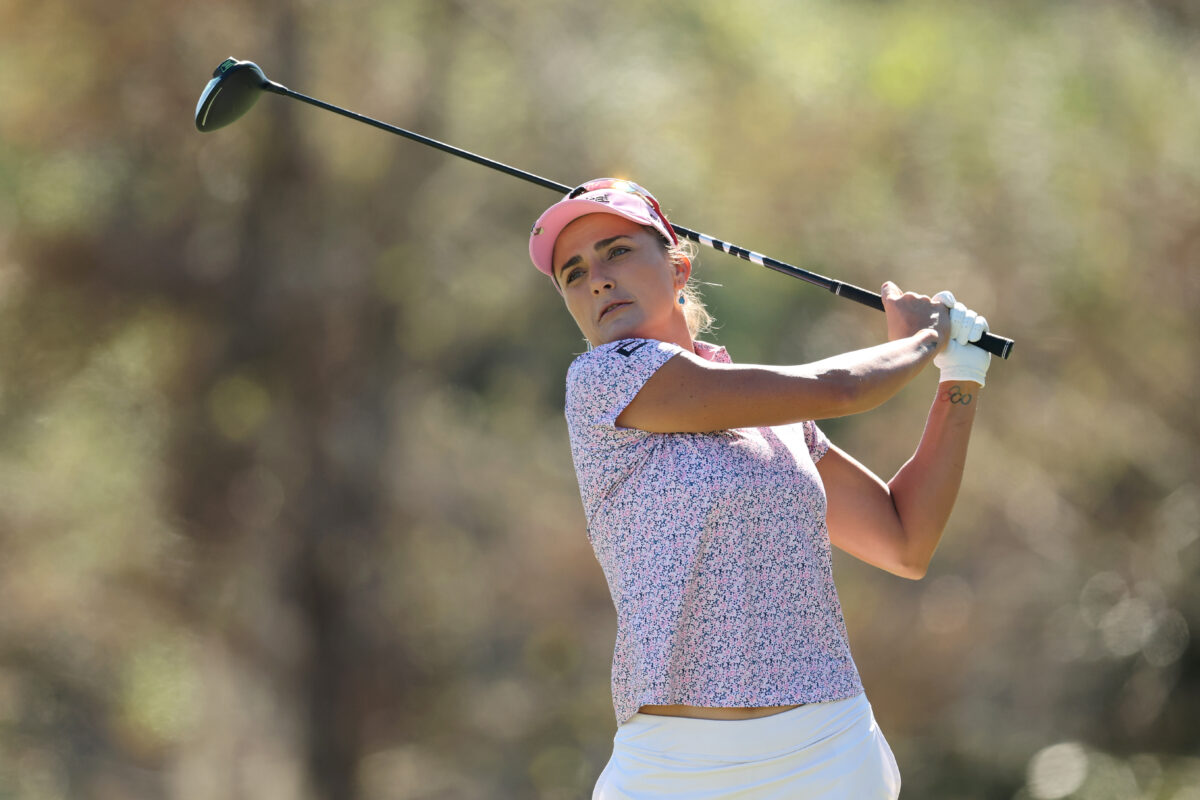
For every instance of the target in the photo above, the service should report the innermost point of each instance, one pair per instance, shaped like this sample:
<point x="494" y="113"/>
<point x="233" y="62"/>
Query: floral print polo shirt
<point x="714" y="546"/>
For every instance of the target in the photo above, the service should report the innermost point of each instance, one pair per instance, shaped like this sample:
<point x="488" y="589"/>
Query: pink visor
<point x="618" y="197"/>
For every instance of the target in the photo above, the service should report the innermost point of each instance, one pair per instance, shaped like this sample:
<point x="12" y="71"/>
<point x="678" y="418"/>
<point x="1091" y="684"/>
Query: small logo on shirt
<point x="631" y="348"/>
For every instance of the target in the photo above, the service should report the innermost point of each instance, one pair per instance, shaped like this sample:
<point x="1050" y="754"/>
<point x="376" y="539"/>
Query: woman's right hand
<point x="908" y="313"/>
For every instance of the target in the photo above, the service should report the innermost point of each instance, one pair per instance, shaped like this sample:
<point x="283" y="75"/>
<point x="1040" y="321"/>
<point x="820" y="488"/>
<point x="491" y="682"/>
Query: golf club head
<point x="234" y="88"/>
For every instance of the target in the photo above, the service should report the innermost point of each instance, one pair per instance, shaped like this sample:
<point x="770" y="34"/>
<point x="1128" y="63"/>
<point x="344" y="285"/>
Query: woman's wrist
<point x="958" y="393"/>
<point x="926" y="341"/>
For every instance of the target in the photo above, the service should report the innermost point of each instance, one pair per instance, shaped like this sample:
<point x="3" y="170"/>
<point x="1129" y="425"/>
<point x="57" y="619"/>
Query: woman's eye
<point x="573" y="274"/>
<point x="619" y="250"/>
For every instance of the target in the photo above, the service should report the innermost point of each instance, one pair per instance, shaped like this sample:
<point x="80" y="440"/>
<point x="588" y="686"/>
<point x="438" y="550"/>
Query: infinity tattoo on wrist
<point x="957" y="396"/>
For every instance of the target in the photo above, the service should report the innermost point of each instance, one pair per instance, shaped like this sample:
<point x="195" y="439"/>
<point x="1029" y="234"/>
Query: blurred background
<point x="286" y="502"/>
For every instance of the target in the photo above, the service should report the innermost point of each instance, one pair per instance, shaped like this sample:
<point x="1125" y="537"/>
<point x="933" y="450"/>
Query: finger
<point x="945" y="297"/>
<point x="957" y="316"/>
<point x="978" y="329"/>
<point x="890" y="291"/>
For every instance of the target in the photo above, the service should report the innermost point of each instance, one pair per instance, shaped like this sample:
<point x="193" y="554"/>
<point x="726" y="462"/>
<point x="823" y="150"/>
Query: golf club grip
<point x="996" y="345"/>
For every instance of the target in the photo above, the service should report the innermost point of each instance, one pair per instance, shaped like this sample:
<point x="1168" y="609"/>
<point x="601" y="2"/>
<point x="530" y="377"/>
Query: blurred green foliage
<point x="286" y="504"/>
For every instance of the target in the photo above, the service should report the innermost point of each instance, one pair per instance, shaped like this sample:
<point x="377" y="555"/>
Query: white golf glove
<point x="961" y="361"/>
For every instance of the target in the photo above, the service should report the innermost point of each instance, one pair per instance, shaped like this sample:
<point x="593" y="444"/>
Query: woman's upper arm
<point x="861" y="517"/>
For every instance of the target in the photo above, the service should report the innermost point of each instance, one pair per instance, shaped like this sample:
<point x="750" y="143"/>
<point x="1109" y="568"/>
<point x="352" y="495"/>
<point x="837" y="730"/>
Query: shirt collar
<point x="712" y="352"/>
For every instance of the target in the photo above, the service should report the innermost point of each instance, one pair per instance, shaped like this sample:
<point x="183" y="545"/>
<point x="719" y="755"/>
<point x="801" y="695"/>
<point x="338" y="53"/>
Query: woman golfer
<point x="712" y="500"/>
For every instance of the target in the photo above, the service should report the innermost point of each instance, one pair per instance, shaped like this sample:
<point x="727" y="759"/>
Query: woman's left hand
<point x="960" y="361"/>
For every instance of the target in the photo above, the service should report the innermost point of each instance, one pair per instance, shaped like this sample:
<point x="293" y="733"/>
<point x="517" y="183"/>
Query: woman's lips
<point x="612" y="307"/>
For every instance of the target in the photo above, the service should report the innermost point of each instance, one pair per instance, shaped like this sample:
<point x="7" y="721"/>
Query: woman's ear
<point x="683" y="269"/>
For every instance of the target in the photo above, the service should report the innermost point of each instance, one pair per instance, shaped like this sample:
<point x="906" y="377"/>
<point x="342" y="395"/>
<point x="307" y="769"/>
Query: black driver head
<point x="234" y="88"/>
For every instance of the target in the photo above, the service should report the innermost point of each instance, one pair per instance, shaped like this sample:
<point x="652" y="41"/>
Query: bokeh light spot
<point x="1100" y="594"/>
<point x="1126" y="626"/>
<point x="1057" y="771"/>
<point x="1169" y="640"/>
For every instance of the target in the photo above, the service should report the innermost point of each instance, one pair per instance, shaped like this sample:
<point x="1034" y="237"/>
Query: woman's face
<point x="618" y="281"/>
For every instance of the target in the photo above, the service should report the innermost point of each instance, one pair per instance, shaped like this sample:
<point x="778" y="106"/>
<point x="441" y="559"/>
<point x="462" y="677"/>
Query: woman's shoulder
<point x="606" y="379"/>
<point x="622" y="351"/>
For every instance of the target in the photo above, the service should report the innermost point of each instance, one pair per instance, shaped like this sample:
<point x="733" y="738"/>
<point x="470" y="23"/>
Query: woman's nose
<point x="601" y="281"/>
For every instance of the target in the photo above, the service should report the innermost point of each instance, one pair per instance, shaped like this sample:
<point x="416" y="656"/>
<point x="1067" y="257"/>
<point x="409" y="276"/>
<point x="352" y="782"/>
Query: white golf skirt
<point x="820" y="751"/>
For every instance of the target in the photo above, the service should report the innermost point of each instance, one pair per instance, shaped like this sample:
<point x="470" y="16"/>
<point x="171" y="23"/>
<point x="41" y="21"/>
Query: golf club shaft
<point x="994" y="344"/>
<point x="416" y="137"/>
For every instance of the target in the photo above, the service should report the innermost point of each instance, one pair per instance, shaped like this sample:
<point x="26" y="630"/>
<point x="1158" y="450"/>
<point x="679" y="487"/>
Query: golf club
<point x="236" y="86"/>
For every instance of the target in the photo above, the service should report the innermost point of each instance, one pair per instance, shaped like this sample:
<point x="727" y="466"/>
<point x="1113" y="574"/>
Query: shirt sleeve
<point x="817" y="441"/>
<point x="603" y="382"/>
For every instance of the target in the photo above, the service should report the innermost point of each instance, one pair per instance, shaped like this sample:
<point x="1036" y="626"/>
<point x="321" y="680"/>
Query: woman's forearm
<point x="925" y="488"/>
<point x="864" y="379"/>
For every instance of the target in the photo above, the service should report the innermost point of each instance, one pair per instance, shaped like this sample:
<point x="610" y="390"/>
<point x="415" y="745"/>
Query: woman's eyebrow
<point x="600" y="245"/>
<point x="603" y="243"/>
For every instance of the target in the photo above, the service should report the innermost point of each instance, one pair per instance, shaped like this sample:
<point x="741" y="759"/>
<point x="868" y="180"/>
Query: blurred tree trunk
<point x="312" y="332"/>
